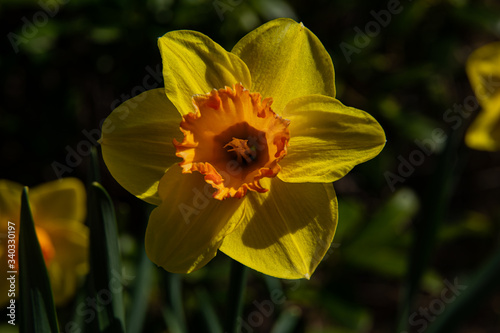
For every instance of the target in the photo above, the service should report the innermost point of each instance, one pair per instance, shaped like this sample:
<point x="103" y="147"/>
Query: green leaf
<point x="352" y="215"/>
<point x="94" y="173"/>
<point x="173" y="312"/>
<point x="468" y="223"/>
<point x="287" y="321"/>
<point x="274" y="286"/>
<point x="37" y="312"/>
<point x="236" y="291"/>
<point x="385" y="261"/>
<point x="140" y="296"/>
<point x="79" y="316"/>
<point x="382" y="244"/>
<point x="172" y="322"/>
<point x="434" y="208"/>
<point x="208" y="311"/>
<point x="106" y="280"/>
<point x="388" y="223"/>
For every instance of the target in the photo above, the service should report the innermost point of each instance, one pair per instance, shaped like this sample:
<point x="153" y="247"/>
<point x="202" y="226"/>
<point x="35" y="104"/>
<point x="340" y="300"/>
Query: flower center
<point x="244" y="153"/>
<point x="234" y="139"/>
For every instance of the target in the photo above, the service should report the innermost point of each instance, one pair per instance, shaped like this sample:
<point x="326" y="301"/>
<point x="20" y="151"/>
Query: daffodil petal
<point x="137" y="143"/>
<point x="327" y="139"/>
<point x="70" y="240"/>
<point x="59" y="209"/>
<point x="186" y="230"/>
<point x="286" y="61"/>
<point x="10" y="202"/>
<point x="63" y="199"/>
<point x="63" y="281"/>
<point x="483" y="69"/>
<point x="285" y="232"/>
<point x="10" y="208"/>
<point x="195" y="64"/>
<point x="484" y="132"/>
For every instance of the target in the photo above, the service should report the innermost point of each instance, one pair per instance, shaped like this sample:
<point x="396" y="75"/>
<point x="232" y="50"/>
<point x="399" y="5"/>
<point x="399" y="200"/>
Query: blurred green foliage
<point x="64" y="67"/>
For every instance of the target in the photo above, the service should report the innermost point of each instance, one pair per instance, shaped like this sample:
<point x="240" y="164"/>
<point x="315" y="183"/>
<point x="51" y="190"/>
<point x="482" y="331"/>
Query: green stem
<point x="237" y="283"/>
<point x="175" y="300"/>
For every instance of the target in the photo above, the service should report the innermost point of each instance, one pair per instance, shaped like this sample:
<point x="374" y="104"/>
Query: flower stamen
<point x="242" y="150"/>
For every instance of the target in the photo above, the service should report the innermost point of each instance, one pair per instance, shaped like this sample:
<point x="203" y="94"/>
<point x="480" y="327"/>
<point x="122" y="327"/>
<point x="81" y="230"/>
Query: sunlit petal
<point x="286" y="61"/>
<point x="195" y="64"/>
<point x="186" y="230"/>
<point x="285" y="232"/>
<point x="327" y="139"/>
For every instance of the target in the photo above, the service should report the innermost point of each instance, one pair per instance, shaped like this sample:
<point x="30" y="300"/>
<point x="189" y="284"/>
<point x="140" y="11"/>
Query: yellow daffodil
<point x="483" y="69"/>
<point x="249" y="171"/>
<point x="58" y="210"/>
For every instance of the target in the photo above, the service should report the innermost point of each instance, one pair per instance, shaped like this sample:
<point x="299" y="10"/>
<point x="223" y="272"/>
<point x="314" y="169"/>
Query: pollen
<point x="234" y="139"/>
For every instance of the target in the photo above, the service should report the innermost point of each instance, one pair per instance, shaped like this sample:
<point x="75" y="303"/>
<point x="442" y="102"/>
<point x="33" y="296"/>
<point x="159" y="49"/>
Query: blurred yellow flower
<point x="263" y="137"/>
<point x="483" y="69"/>
<point x="59" y="210"/>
